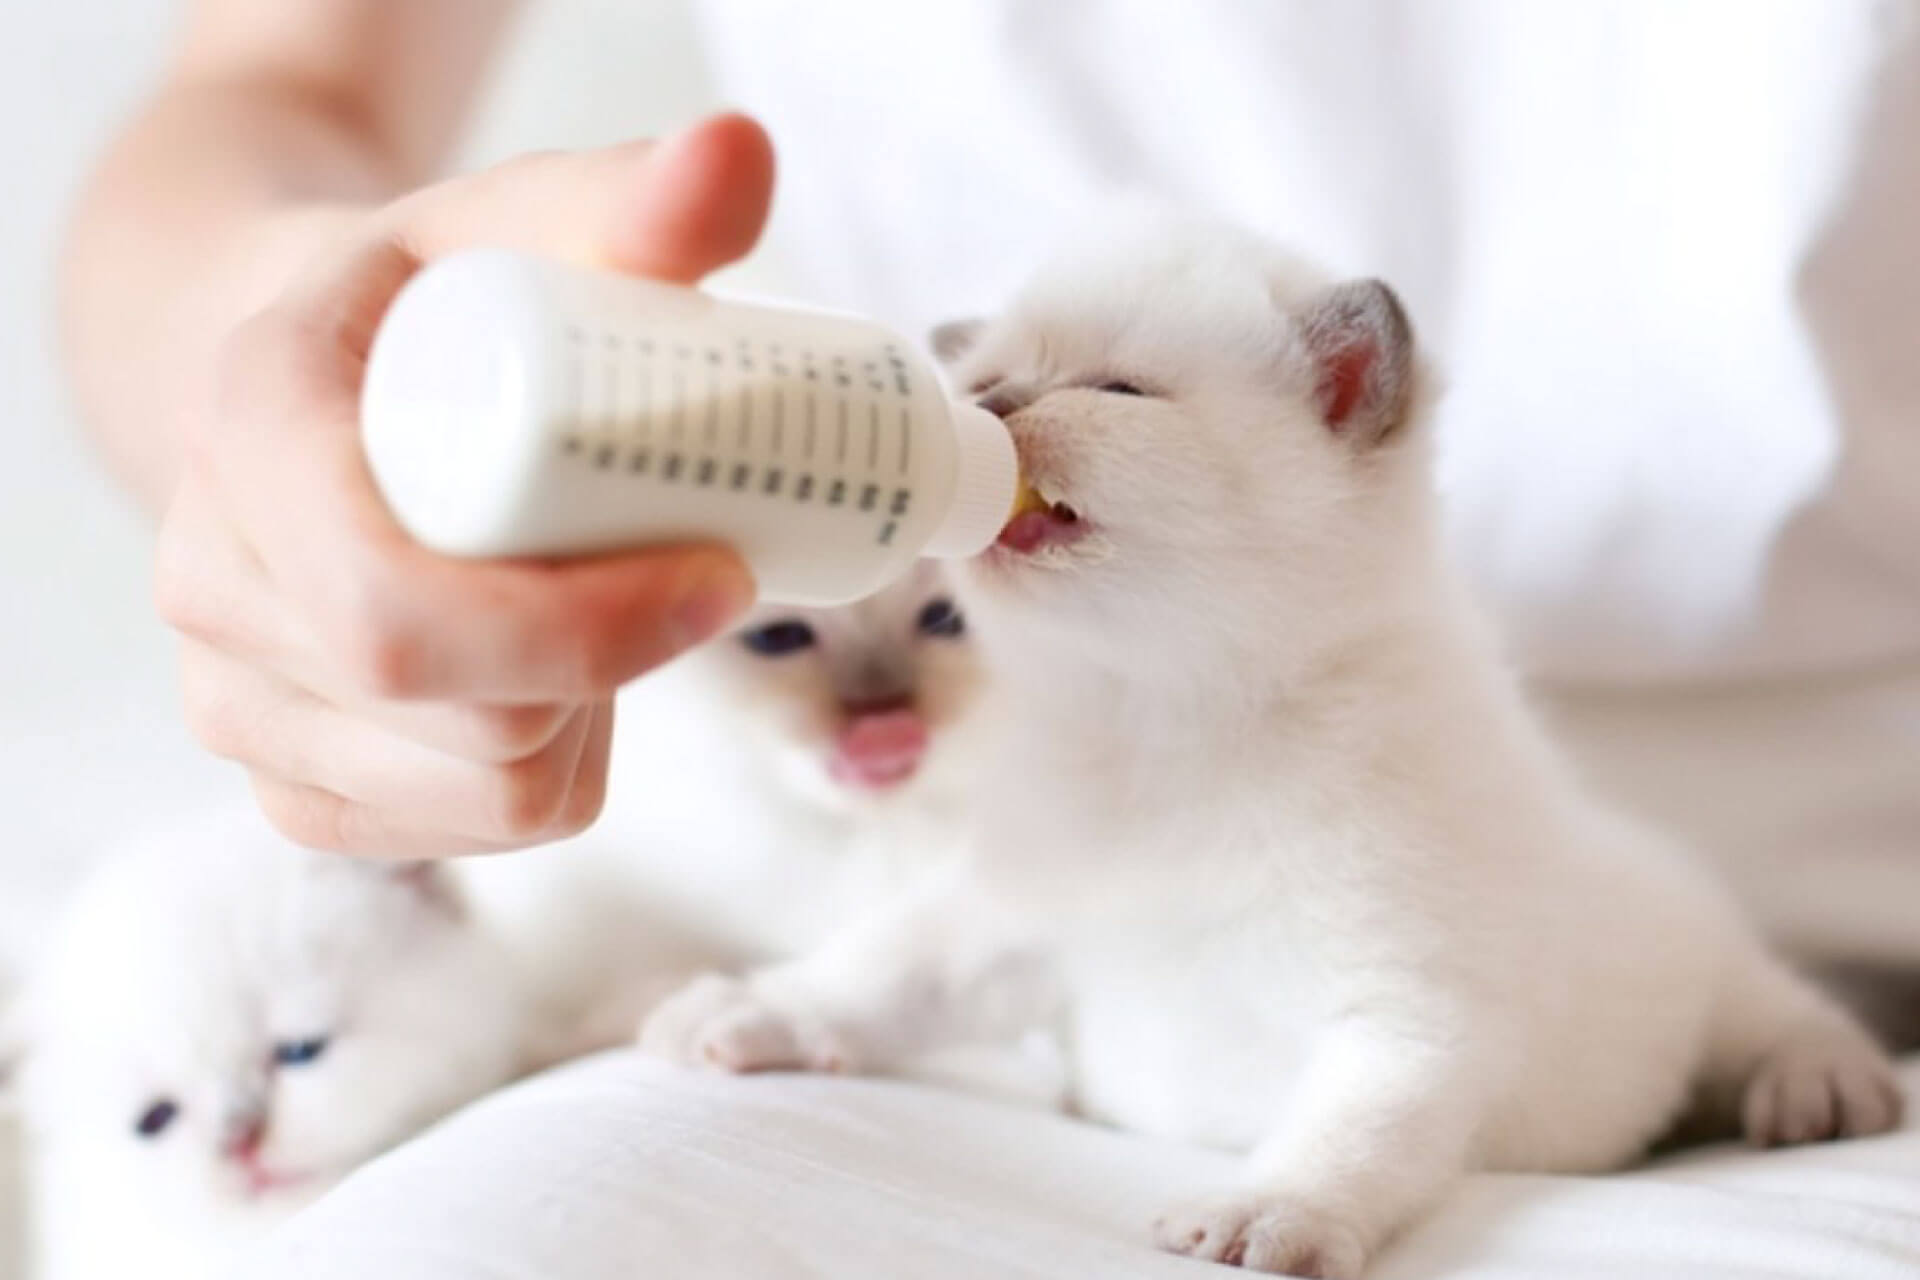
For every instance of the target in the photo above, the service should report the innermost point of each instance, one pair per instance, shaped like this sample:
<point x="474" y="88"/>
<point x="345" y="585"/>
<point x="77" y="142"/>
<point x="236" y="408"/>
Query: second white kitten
<point x="226" y="1024"/>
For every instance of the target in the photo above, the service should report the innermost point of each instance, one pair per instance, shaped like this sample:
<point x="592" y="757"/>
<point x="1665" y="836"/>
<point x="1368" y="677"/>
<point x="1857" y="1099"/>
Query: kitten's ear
<point x="1358" y="340"/>
<point x="954" y="339"/>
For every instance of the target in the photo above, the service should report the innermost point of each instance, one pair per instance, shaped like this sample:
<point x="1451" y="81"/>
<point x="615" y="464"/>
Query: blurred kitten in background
<point x="767" y="790"/>
<point x="783" y="780"/>
<point x="224" y="1025"/>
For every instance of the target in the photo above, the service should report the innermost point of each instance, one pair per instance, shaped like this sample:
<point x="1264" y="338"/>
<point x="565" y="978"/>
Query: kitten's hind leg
<point x="1791" y="1064"/>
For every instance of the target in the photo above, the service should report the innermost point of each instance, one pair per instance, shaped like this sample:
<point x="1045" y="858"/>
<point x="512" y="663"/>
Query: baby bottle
<point x="518" y="406"/>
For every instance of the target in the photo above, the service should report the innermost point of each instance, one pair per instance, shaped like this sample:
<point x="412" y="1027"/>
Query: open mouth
<point x="1040" y="521"/>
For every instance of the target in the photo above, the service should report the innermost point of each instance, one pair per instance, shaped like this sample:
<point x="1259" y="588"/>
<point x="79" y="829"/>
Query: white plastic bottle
<point x="518" y="406"/>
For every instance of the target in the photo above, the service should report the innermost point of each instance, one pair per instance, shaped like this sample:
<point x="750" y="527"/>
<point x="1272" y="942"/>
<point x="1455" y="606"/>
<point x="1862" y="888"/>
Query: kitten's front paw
<point x="722" y="1022"/>
<point x="1264" y="1233"/>
<point x="1821" y="1086"/>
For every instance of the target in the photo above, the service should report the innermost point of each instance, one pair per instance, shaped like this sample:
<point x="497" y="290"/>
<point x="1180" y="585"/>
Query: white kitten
<point x="768" y="789"/>
<point x="224" y="1025"/>
<point x="1268" y="804"/>
<point x="779" y="783"/>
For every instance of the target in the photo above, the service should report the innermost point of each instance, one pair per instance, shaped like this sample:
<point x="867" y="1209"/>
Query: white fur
<point x="175" y="971"/>
<point x="1265" y="797"/>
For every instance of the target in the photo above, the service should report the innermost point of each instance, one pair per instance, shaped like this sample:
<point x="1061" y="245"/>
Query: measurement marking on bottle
<point x="803" y="491"/>
<point x="812" y="419"/>
<point x="840" y="443"/>
<point x="707" y="470"/>
<point x="869" y="495"/>
<point x="570" y="444"/>
<point x="713" y="418"/>
<point x="746" y="416"/>
<point x="671" y="471"/>
<point x="887" y="531"/>
<point x="741" y="473"/>
<point x="772" y="486"/>
<point x="900" y="499"/>
<point x="873" y="437"/>
<point x="679" y="419"/>
<point x="779" y="419"/>
<point x="906" y="442"/>
<point x="837" y="493"/>
<point x="640" y="461"/>
<point x="611" y="410"/>
<point x="603" y="458"/>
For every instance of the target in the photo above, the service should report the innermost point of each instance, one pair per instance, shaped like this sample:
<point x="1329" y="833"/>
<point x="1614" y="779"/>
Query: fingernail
<point x="714" y="600"/>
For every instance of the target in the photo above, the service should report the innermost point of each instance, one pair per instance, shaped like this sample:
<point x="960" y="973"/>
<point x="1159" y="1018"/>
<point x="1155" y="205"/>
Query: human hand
<point x="384" y="699"/>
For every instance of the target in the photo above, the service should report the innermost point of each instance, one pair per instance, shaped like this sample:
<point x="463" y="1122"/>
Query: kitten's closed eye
<point x="157" y="1118"/>
<point x="299" y="1053"/>
<point x="940" y="618"/>
<point x="1120" y="387"/>
<point x="778" y="639"/>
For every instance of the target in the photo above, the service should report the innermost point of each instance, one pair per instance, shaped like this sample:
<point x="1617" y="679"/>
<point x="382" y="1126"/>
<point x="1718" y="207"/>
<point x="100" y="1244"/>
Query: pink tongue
<point x="879" y="749"/>
<point x="1026" y="531"/>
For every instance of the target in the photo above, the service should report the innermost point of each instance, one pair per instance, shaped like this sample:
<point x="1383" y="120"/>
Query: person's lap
<point x="621" y="1166"/>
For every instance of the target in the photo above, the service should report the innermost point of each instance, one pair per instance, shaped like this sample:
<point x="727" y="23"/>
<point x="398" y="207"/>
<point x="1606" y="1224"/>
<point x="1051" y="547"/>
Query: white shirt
<point x="1667" y="253"/>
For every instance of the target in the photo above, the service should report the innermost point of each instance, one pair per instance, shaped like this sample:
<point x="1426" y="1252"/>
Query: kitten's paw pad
<point x="1814" y="1088"/>
<point x="723" y="1024"/>
<point x="1264" y="1233"/>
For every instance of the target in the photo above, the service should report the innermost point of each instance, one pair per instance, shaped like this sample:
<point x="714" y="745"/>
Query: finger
<point x="395" y="619"/>
<point x="674" y="210"/>
<point x="320" y="820"/>
<point x="248" y="715"/>
<point x="210" y="587"/>
<point x="701" y="203"/>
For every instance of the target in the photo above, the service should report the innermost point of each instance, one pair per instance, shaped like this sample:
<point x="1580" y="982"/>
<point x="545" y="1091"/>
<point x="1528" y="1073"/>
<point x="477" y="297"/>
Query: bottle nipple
<point x="1027" y="499"/>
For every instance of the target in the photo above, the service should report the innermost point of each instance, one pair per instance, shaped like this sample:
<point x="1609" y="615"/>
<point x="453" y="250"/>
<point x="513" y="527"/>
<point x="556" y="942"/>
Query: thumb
<point x="675" y="209"/>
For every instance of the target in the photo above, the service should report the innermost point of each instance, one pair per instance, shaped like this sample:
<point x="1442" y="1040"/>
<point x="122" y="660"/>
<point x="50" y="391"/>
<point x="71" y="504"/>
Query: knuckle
<point x="371" y="641"/>
<point x="250" y="372"/>
<point x="178" y="596"/>
<point x="214" y="712"/>
<point x="216" y="724"/>
<point x="380" y="660"/>
<point x="182" y="595"/>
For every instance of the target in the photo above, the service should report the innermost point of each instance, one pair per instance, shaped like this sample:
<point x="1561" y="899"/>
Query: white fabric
<point x="1666" y="254"/>
<point x="624" y="1167"/>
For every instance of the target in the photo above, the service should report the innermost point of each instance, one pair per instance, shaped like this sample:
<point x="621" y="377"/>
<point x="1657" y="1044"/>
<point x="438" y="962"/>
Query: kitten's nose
<point x="242" y="1133"/>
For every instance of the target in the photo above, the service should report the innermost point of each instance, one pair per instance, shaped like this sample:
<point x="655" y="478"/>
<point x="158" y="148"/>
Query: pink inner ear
<point x="1343" y="378"/>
